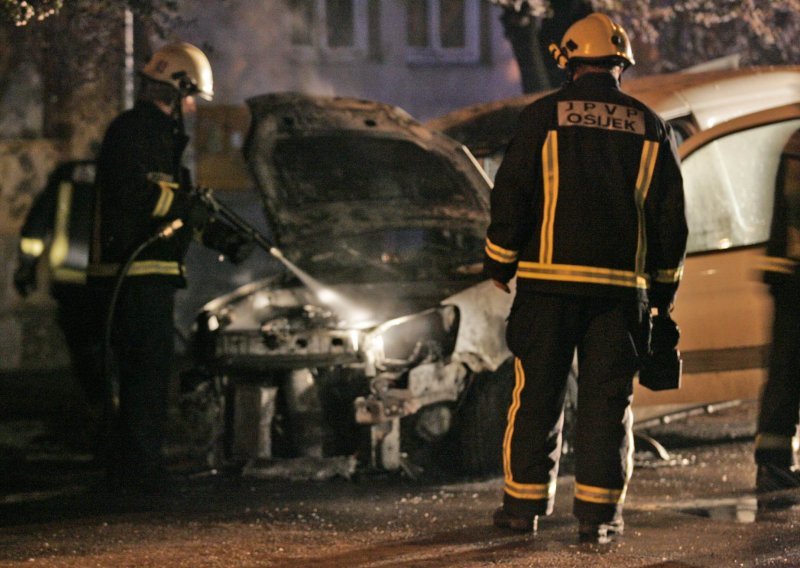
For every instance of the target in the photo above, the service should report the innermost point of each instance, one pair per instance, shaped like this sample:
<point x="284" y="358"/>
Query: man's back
<point x="589" y="170"/>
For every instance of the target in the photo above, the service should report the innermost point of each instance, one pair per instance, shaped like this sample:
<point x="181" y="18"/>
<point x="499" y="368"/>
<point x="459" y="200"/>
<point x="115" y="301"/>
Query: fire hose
<point x="165" y="232"/>
<point x="215" y="208"/>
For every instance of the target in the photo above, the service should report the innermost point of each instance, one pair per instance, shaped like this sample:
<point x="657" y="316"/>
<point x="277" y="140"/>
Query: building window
<point x="335" y="30"/>
<point x="443" y="31"/>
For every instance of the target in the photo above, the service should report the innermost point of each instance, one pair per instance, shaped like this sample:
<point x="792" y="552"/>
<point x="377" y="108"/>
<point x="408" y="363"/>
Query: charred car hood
<point x="334" y="166"/>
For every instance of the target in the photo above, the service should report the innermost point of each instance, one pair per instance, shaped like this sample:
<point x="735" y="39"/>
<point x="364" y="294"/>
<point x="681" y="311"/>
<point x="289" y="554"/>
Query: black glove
<point x="220" y="236"/>
<point x="661" y="367"/>
<point x="239" y="247"/>
<point x="198" y="214"/>
<point x="25" y="274"/>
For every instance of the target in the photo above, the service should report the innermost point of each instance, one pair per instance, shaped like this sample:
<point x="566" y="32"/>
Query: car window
<point x="729" y="186"/>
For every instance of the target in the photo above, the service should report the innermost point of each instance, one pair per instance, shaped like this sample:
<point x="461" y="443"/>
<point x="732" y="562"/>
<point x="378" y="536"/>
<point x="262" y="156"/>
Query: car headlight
<point x="407" y="340"/>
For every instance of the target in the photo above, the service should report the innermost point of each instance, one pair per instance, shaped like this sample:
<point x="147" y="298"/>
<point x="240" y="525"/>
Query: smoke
<point x="248" y="43"/>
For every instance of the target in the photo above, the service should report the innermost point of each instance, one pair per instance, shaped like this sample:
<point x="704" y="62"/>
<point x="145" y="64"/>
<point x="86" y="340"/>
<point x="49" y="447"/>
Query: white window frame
<point x="435" y="53"/>
<point x="320" y="48"/>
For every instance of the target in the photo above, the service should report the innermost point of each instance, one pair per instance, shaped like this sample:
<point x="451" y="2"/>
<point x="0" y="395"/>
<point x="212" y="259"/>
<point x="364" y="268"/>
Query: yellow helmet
<point x="595" y="37"/>
<point x="183" y="66"/>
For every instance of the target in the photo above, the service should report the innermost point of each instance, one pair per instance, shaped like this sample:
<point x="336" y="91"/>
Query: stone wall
<point x="29" y="338"/>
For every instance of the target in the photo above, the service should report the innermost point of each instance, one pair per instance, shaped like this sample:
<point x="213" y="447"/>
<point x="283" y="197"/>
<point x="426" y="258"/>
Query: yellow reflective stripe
<point x="767" y="441"/>
<point x="519" y="384"/>
<point x="530" y="490"/>
<point x="647" y="165"/>
<point x="69" y="275"/>
<point x="550" y="181"/>
<point x="600" y="495"/>
<point x="165" y="199"/>
<point x="31" y="247"/>
<point x="500" y="254"/>
<point x="575" y="273"/>
<point x="139" y="268"/>
<point x="60" y="246"/>
<point x="669" y="276"/>
<point x="776" y="264"/>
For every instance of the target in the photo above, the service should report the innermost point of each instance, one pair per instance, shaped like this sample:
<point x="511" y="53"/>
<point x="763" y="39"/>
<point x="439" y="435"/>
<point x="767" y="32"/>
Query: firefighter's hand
<point x="502" y="286"/>
<point x="234" y="245"/>
<point x="25" y="275"/>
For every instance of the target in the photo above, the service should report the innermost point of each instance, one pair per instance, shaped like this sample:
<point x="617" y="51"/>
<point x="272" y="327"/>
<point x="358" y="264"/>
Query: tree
<point x="667" y="35"/>
<point x="22" y="12"/>
<point x="79" y="49"/>
<point x="531" y="26"/>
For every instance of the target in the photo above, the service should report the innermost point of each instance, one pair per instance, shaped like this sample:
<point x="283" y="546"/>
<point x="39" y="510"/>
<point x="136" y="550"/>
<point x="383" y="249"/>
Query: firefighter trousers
<point x="544" y="331"/>
<point x="143" y="343"/>
<point x="780" y="399"/>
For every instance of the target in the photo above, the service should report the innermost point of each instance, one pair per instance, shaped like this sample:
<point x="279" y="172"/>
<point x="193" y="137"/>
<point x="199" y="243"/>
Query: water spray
<point x="346" y="309"/>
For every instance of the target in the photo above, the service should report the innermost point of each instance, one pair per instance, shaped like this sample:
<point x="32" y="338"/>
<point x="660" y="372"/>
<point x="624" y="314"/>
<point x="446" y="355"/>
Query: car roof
<point x="717" y="96"/>
<point x="707" y="98"/>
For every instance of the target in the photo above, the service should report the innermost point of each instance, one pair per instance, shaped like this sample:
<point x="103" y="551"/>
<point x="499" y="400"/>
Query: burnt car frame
<point x="412" y="371"/>
<point x="372" y="339"/>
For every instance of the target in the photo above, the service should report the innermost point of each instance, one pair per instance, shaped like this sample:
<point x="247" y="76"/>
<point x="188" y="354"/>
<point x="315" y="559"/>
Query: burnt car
<point x="390" y="346"/>
<point x="379" y="338"/>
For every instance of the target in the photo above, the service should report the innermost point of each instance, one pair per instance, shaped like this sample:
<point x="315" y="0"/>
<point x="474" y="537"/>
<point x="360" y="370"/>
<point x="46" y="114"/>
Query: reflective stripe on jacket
<point x="139" y="179"/>
<point x="589" y="197"/>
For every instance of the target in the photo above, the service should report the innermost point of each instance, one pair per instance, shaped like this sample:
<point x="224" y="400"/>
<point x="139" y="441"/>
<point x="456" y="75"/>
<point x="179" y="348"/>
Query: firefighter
<point x="587" y="212"/>
<point x="780" y="398"/>
<point x="143" y="187"/>
<point x="58" y="227"/>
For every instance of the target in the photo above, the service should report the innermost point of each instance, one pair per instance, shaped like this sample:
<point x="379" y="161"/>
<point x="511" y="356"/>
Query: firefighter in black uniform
<point x="780" y="399"/>
<point x="587" y="212"/>
<point x="142" y="186"/>
<point x="58" y="226"/>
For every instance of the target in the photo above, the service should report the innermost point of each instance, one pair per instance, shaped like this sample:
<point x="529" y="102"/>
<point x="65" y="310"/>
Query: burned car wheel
<point x="482" y="419"/>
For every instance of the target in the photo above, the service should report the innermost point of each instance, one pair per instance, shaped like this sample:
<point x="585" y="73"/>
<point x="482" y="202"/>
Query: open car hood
<point x="329" y="167"/>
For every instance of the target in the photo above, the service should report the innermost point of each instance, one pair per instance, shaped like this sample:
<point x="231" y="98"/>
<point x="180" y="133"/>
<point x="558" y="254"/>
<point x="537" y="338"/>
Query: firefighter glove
<point x="25" y="274"/>
<point x="220" y="236"/>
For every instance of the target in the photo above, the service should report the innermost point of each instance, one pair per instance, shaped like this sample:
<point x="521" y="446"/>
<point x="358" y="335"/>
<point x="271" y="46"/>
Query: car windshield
<point x="398" y="254"/>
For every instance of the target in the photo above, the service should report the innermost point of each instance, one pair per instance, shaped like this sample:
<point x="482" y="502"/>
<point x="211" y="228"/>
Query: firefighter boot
<point x="770" y="477"/>
<point x="505" y="520"/>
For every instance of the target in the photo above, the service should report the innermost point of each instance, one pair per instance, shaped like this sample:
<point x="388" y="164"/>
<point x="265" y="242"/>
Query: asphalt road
<point x="695" y="509"/>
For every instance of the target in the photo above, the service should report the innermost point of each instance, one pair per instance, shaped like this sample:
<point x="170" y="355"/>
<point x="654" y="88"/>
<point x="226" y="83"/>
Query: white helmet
<point x="183" y="66"/>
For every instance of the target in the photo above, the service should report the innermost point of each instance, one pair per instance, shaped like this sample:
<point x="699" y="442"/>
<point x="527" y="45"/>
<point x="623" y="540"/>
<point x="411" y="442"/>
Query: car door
<point x="723" y="308"/>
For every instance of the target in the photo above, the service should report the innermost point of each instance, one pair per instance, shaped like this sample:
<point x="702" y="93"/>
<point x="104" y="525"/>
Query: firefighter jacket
<point x="61" y="218"/>
<point x="141" y="187"/>
<point x="589" y="198"/>
<point x="781" y="265"/>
